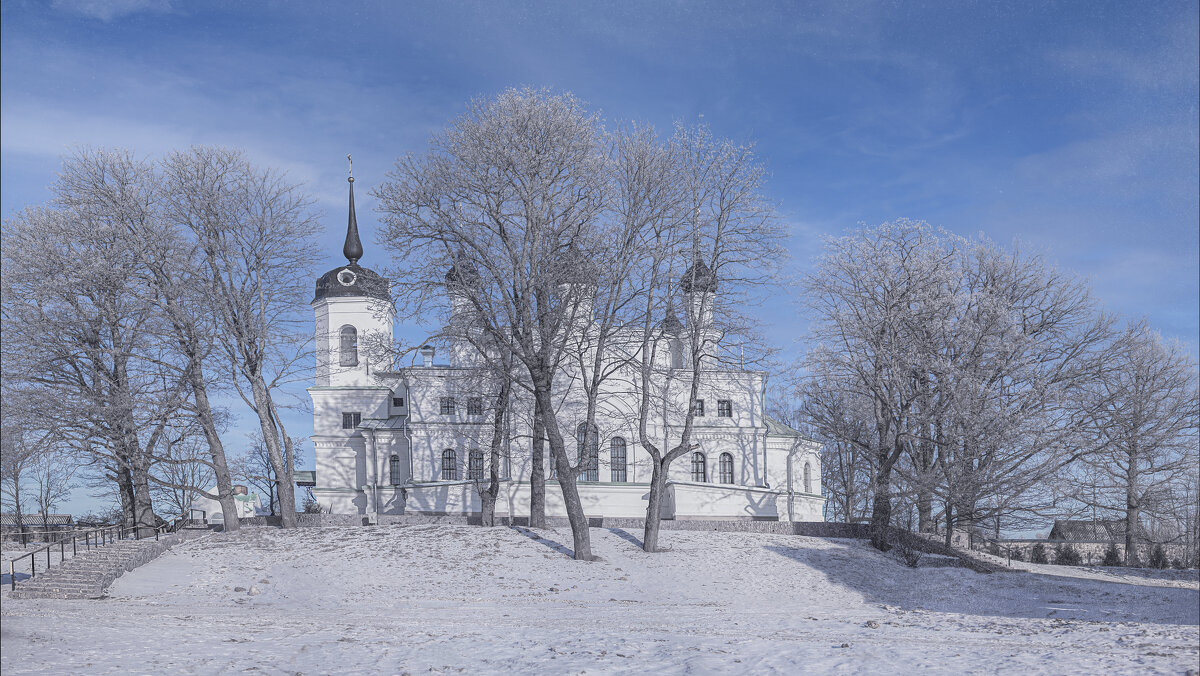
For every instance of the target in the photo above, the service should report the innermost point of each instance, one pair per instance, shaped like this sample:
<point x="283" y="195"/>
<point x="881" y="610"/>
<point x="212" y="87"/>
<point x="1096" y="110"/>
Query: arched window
<point x="676" y="353"/>
<point x="449" y="465"/>
<point x="588" y="439"/>
<point x="807" y="478"/>
<point x="617" y="459"/>
<point x="475" y="465"/>
<point x="348" y="346"/>
<point x="394" y="470"/>
<point x="726" y="468"/>
<point x="699" y="467"/>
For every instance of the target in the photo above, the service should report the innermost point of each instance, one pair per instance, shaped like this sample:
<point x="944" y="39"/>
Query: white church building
<point x="413" y="439"/>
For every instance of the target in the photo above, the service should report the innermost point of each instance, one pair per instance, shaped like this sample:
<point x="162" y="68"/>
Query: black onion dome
<point x="698" y="277"/>
<point x="462" y="272"/>
<point x="352" y="280"/>
<point x="671" y="324"/>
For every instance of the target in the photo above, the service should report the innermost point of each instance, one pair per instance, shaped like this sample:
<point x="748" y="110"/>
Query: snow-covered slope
<point x="456" y="598"/>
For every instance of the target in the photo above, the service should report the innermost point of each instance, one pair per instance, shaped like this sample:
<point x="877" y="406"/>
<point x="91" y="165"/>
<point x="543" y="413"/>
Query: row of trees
<point x="953" y="381"/>
<point x="571" y="248"/>
<point x="143" y="291"/>
<point x="973" y="386"/>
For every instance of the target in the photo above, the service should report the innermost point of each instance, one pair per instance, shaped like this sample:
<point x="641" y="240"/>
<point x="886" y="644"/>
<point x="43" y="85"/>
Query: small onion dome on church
<point x="462" y="273"/>
<point x="698" y="277"/>
<point x="576" y="267"/>
<point x="352" y="279"/>
<point x="671" y="325"/>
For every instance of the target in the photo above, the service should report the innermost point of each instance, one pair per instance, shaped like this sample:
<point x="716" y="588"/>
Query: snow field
<point x="461" y="599"/>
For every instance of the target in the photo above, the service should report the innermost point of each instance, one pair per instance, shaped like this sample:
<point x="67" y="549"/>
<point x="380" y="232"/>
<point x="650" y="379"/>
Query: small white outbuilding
<point x="209" y="510"/>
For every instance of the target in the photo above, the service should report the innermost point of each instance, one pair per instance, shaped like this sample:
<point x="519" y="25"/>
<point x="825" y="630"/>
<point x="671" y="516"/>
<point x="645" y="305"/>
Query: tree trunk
<point x="949" y="522"/>
<point x="270" y="432"/>
<point x="488" y="497"/>
<point x="216" y="449"/>
<point x="881" y="513"/>
<point x="566" y="477"/>
<point x="658" y="489"/>
<point x="1133" y="511"/>
<point x="925" y="522"/>
<point x="143" y="508"/>
<point x="125" y="491"/>
<point x="537" y="477"/>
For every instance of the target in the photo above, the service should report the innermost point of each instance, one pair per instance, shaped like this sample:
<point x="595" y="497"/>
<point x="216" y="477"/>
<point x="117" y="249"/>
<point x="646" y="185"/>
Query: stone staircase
<point x="88" y="574"/>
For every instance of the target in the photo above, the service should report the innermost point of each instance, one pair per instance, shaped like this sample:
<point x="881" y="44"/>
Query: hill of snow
<point x="442" y="598"/>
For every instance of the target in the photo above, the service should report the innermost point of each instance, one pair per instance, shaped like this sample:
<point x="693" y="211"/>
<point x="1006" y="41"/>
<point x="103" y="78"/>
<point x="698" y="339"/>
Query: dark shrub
<point x="1066" y="555"/>
<point x="994" y="548"/>
<point x="902" y="546"/>
<point x="1177" y="564"/>
<point x="1112" y="556"/>
<point x="1038" y="554"/>
<point x="1016" y="554"/>
<point x="1158" y="557"/>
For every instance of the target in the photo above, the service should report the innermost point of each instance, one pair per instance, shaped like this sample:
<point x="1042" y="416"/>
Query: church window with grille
<point x="348" y="346"/>
<point x="394" y="470"/>
<point x="588" y="438"/>
<point x="475" y="465"/>
<point x="698" y="408"/>
<point x="724" y="408"/>
<point x="699" y="467"/>
<point x="726" y="468"/>
<point x="807" y="478"/>
<point x="449" y="465"/>
<point x="446" y="405"/>
<point x="475" y="406"/>
<point x="351" y="420"/>
<point x="617" y="460"/>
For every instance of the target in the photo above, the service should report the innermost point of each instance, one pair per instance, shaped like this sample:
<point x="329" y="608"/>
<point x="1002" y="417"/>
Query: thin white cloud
<point x="107" y="10"/>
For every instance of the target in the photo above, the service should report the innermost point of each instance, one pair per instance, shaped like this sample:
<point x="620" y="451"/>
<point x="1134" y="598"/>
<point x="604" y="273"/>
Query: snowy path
<point x="455" y="598"/>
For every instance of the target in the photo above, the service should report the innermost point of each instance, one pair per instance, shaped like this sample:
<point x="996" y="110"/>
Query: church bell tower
<point x="354" y="317"/>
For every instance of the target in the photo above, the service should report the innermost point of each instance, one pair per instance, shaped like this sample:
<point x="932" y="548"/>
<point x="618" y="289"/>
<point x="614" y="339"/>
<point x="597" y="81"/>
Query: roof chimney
<point x="427" y="355"/>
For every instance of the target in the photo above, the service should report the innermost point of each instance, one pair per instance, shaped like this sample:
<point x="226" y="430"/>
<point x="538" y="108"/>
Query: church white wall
<point x="708" y="501"/>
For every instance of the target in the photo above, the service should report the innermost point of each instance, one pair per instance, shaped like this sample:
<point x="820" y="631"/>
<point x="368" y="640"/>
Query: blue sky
<point x="1068" y="127"/>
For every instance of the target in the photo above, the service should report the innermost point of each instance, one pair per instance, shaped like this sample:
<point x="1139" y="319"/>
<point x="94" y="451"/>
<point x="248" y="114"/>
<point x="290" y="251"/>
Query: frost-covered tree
<point x="1144" y="423"/>
<point x="515" y="188"/>
<point x="255" y="233"/>
<point x="78" y="322"/>
<point x="873" y="297"/>
<point x="956" y="365"/>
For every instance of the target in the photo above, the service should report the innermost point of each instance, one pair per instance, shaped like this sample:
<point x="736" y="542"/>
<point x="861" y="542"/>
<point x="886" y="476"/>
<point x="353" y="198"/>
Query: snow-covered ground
<point x="440" y="598"/>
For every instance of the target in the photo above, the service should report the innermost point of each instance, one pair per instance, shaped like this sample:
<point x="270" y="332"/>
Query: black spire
<point x="353" y="248"/>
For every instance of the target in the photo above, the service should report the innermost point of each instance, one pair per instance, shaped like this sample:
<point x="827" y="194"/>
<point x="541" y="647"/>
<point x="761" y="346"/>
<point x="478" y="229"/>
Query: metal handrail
<point x="104" y="535"/>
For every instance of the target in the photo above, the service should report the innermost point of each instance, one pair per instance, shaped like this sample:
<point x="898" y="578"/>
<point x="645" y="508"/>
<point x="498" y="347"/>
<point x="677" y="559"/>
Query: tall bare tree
<point x="255" y="231"/>
<point x="79" y="323"/>
<point x="1145" y="428"/>
<point x="698" y="216"/>
<point x="517" y="188"/>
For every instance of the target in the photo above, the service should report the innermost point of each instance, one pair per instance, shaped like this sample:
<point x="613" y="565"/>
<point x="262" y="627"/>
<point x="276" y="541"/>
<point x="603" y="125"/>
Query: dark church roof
<point x="1070" y="530"/>
<point x="352" y="280"/>
<point x="698" y="277"/>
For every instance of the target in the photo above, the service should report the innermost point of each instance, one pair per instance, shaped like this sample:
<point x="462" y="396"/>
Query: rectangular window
<point x="698" y="408"/>
<point x="724" y="408"/>
<point x="475" y="406"/>
<point x="351" y="420"/>
<point x="398" y="402"/>
<point x="446" y="406"/>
